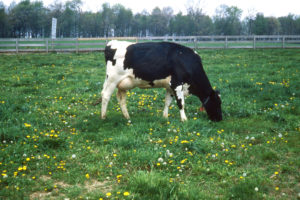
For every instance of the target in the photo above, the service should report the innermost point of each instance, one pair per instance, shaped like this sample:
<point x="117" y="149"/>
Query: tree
<point x="107" y="17"/>
<point x="3" y="21"/>
<point x="180" y="25"/>
<point x="259" y="24"/>
<point x="288" y="25"/>
<point x="159" y="22"/>
<point x="200" y="24"/>
<point x="140" y="24"/>
<point x="272" y="26"/>
<point x="123" y="19"/>
<point x="227" y="20"/>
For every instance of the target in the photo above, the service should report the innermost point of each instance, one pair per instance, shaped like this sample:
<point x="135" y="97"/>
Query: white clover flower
<point x="73" y="156"/>
<point x="256" y="189"/>
<point x="280" y="135"/>
<point x="160" y="159"/>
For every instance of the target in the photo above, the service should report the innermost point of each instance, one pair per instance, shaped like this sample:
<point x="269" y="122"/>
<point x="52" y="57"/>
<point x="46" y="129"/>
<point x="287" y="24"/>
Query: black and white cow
<point x="157" y="65"/>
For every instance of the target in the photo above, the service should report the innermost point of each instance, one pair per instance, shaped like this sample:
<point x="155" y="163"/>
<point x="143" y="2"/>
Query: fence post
<point x="226" y="42"/>
<point x="47" y="45"/>
<point x="17" y="45"/>
<point x="254" y="42"/>
<point x="195" y="43"/>
<point x="77" y="47"/>
<point x="283" y="42"/>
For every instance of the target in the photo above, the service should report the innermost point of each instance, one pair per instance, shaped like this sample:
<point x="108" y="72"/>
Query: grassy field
<point x="55" y="146"/>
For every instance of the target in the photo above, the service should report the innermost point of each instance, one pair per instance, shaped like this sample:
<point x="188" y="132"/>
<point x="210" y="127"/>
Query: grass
<point x="55" y="146"/>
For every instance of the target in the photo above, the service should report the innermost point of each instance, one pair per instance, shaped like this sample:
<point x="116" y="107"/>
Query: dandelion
<point x="276" y="173"/>
<point x="87" y="176"/>
<point x="108" y="194"/>
<point x="27" y="125"/>
<point x="277" y="188"/>
<point x="126" y="194"/>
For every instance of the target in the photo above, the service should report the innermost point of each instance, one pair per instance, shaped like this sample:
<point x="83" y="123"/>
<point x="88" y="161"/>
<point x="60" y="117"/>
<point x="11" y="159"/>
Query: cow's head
<point x="212" y="105"/>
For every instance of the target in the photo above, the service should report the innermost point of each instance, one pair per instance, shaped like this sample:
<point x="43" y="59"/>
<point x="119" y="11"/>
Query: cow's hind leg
<point x="168" y="101"/>
<point x="106" y="94"/>
<point x="121" y="96"/>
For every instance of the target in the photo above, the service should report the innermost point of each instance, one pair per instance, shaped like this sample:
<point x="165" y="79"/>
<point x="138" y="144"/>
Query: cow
<point x="167" y="65"/>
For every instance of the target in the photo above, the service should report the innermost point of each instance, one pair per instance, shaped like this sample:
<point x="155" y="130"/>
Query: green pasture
<point x="53" y="144"/>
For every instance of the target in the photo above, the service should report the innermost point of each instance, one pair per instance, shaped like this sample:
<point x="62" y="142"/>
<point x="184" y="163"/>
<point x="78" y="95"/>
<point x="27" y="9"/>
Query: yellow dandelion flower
<point x="126" y="194"/>
<point x="108" y="194"/>
<point x="87" y="176"/>
<point x="27" y="125"/>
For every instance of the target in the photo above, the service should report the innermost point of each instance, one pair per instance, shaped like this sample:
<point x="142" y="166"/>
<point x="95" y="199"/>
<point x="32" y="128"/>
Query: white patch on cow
<point x="121" y="47"/>
<point x="179" y="92"/>
<point x="182" y="115"/>
<point x="182" y="90"/>
<point x="186" y="89"/>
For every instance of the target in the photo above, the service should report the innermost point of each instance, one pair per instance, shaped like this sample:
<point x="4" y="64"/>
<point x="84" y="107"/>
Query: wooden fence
<point x="195" y="42"/>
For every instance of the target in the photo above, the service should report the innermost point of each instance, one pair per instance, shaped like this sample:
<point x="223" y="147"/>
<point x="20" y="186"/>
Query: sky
<point x="274" y="8"/>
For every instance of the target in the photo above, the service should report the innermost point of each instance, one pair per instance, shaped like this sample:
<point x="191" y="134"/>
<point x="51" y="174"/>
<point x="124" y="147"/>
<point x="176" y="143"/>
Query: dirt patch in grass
<point x="89" y="186"/>
<point x="92" y="185"/>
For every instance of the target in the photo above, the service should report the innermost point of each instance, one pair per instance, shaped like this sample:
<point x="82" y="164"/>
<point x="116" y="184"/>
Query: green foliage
<point x="53" y="144"/>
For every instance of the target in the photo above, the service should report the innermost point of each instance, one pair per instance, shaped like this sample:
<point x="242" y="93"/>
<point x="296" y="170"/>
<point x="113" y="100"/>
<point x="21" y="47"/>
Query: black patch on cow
<point x="154" y="61"/>
<point x="110" y="54"/>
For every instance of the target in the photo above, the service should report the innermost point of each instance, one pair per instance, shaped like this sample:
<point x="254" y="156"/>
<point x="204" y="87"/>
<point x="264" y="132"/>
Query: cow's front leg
<point x="179" y="94"/>
<point x="121" y="96"/>
<point x="168" y="101"/>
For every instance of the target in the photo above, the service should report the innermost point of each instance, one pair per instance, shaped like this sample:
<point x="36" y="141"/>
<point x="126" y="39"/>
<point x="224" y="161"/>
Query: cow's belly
<point x="131" y="82"/>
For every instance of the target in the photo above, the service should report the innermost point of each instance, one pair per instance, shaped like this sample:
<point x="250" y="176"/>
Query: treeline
<point x="33" y="19"/>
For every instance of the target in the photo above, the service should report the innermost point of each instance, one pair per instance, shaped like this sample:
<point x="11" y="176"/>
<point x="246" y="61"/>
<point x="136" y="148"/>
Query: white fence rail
<point x="195" y="42"/>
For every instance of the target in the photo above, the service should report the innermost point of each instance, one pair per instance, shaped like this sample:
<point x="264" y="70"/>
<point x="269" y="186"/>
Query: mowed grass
<point x="53" y="144"/>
